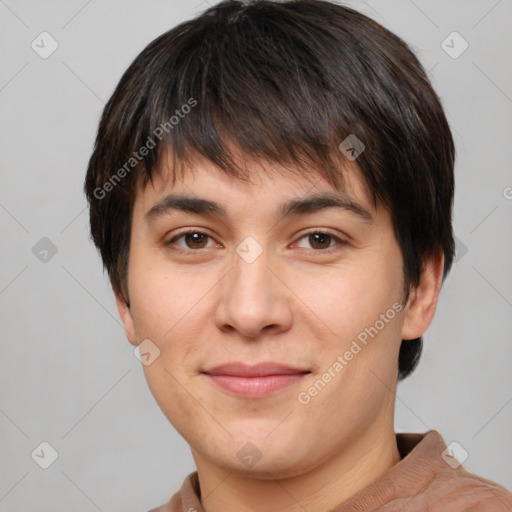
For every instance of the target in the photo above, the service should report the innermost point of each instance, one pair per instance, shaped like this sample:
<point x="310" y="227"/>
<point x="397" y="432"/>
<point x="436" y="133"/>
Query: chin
<point x="267" y="469"/>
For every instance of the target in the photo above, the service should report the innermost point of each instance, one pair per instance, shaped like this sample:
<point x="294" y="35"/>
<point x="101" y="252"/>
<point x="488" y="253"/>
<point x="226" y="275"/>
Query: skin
<point x="295" y="305"/>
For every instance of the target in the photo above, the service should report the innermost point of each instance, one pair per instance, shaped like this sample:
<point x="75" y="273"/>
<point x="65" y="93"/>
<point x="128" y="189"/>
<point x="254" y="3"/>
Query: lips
<point x="259" y="370"/>
<point x="254" y="381"/>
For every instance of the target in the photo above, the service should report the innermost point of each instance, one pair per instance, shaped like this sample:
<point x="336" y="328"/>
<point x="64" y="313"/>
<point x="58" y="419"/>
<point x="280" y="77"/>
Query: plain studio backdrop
<point x="68" y="376"/>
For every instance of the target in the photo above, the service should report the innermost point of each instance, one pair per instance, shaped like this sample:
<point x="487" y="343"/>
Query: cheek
<point x="347" y="299"/>
<point x="162" y="299"/>
<point x="177" y="397"/>
<point x="174" y="310"/>
<point x="169" y="311"/>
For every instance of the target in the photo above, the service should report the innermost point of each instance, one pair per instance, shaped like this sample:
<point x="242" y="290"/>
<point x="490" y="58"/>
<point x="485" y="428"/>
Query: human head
<point x="285" y="82"/>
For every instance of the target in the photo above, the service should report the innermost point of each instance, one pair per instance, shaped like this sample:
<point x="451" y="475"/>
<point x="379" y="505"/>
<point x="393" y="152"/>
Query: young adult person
<point x="271" y="192"/>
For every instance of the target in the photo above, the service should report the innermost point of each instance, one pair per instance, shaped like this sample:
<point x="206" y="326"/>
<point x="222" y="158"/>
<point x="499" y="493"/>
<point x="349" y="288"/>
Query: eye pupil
<point x="320" y="238"/>
<point x="195" y="238"/>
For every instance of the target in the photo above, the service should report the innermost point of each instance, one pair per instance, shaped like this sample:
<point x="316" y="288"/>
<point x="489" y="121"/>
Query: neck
<point x="322" y="488"/>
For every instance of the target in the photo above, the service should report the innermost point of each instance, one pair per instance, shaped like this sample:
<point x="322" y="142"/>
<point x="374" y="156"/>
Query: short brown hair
<point x="287" y="82"/>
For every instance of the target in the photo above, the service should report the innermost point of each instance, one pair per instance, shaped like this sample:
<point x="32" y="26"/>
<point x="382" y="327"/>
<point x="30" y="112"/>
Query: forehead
<point x="261" y="182"/>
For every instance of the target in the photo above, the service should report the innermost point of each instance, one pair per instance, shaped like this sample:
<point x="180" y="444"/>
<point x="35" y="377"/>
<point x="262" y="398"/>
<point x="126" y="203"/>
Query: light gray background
<point x="67" y="374"/>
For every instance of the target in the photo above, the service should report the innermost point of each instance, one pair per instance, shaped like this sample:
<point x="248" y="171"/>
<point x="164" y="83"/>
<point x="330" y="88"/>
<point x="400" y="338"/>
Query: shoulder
<point x="460" y="490"/>
<point x="431" y="478"/>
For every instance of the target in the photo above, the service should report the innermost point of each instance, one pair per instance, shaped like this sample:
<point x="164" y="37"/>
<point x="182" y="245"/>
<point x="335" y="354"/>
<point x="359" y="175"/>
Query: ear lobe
<point x="127" y="319"/>
<point x="422" y="302"/>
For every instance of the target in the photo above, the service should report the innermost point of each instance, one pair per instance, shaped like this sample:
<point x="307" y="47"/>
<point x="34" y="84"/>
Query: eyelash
<point x="316" y="252"/>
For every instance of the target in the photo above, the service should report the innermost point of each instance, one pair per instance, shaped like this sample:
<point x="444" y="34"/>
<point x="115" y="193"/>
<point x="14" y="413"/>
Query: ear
<point x="126" y="318"/>
<point x="422" y="302"/>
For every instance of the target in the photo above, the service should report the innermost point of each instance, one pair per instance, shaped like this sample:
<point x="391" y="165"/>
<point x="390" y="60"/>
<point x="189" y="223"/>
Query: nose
<point x="254" y="300"/>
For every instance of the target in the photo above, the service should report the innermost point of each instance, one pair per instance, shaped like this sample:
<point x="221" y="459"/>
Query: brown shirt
<point x="423" y="481"/>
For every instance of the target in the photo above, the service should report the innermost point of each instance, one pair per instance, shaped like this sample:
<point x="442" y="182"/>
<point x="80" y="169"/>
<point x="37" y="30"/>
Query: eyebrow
<point x="292" y="207"/>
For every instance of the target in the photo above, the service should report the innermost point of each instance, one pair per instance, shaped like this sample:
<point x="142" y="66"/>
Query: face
<point x="318" y="290"/>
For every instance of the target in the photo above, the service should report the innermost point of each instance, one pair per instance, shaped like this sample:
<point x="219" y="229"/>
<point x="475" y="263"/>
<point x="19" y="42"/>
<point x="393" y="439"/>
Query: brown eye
<point x="195" y="240"/>
<point x="320" y="240"/>
<point x="192" y="240"/>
